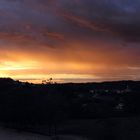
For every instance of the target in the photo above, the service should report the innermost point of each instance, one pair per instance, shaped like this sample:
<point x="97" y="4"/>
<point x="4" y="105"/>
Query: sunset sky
<point x="70" y="40"/>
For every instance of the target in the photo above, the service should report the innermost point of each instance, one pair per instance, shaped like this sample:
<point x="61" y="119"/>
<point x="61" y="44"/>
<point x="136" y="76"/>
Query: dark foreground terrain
<point x="96" y="129"/>
<point x="108" y="110"/>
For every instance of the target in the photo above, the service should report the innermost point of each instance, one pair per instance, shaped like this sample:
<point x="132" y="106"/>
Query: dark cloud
<point x="31" y="17"/>
<point x="120" y="18"/>
<point x="53" y="22"/>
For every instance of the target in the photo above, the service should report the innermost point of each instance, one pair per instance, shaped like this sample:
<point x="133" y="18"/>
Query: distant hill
<point x="47" y="103"/>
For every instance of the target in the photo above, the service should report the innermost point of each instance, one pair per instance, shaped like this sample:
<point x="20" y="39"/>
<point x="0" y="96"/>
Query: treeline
<point x="36" y="104"/>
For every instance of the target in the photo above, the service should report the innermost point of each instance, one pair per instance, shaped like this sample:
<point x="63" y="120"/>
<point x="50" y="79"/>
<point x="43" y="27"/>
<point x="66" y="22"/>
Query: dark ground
<point x="96" y="129"/>
<point x="87" y="111"/>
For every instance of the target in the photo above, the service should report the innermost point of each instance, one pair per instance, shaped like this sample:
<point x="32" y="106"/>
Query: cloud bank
<point x="91" y="37"/>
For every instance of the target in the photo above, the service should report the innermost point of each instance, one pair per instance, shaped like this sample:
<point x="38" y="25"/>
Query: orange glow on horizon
<point x="73" y="62"/>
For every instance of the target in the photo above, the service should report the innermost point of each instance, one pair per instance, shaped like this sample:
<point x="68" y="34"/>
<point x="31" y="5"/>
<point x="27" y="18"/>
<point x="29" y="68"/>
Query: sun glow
<point x="33" y="71"/>
<point x="74" y="64"/>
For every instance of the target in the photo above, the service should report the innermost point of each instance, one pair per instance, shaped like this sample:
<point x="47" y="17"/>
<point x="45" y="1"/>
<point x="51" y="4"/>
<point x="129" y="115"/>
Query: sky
<point x="70" y="40"/>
